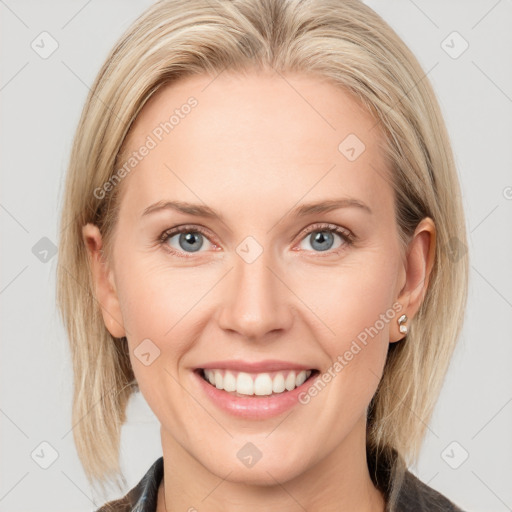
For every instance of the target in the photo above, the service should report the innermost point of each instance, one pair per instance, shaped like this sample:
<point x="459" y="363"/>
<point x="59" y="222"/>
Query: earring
<point x="401" y="323"/>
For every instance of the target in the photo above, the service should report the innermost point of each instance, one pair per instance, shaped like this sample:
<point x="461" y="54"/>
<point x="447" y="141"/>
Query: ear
<point x="420" y="256"/>
<point x="103" y="279"/>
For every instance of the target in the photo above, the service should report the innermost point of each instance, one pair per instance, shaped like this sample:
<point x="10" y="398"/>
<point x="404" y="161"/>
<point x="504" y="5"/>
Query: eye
<point x="187" y="239"/>
<point x="322" y="238"/>
<point x="191" y="238"/>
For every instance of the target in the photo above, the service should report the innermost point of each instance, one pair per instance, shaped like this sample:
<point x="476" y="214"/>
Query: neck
<point x="340" y="481"/>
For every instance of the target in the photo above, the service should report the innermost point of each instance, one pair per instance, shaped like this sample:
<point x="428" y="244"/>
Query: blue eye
<point x="323" y="240"/>
<point x="191" y="239"/>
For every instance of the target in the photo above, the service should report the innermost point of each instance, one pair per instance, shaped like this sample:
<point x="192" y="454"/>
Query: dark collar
<point x="143" y="497"/>
<point x="413" y="494"/>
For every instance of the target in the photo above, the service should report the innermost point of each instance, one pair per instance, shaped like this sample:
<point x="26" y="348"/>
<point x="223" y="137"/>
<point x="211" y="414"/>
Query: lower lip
<point x="254" y="407"/>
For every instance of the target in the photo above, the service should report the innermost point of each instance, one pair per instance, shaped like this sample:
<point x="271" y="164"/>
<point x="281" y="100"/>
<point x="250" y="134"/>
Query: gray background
<point x="41" y="102"/>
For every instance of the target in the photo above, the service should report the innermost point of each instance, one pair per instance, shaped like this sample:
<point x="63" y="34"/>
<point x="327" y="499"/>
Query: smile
<point x="259" y="384"/>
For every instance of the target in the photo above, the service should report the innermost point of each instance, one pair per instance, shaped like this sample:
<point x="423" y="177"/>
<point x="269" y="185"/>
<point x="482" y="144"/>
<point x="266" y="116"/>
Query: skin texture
<point x="255" y="147"/>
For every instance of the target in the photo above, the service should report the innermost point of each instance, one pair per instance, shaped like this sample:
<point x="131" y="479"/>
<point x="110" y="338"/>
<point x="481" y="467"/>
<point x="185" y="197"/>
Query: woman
<point x="258" y="207"/>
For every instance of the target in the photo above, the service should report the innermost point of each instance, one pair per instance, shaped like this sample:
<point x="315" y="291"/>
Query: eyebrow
<point x="200" y="210"/>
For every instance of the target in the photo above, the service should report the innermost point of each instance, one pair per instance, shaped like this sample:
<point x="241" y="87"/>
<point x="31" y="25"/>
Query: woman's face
<point x="256" y="275"/>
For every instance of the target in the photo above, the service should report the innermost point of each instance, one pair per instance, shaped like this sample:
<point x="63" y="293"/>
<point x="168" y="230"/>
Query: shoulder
<point x="418" y="496"/>
<point x="142" y="497"/>
<point x="403" y="490"/>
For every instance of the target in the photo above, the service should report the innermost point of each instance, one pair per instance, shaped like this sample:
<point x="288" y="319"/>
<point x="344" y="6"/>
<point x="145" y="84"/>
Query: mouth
<point x="264" y="384"/>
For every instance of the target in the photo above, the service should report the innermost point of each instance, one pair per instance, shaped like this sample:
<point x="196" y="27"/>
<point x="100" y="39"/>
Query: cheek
<point x="155" y="297"/>
<point x="164" y="305"/>
<point x="155" y="301"/>
<point x="358" y="311"/>
<point x="350" y="300"/>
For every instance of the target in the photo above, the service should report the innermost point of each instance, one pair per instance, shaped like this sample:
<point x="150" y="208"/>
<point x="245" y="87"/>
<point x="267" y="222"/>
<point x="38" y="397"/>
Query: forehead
<point x="272" y="136"/>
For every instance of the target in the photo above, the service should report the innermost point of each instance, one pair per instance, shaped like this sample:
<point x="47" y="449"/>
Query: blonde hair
<point x="345" y="42"/>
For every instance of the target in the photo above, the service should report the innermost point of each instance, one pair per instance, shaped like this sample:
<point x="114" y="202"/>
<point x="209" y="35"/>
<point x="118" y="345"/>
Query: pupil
<point x="190" y="238"/>
<point x="321" y="238"/>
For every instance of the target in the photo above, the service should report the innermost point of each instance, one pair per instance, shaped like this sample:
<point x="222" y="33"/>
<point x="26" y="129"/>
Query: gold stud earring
<point x="401" y="322"/>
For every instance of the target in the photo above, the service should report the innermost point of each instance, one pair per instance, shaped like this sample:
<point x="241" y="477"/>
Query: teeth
<point x="289" y="383"/>
<point x="262" y="384"/>
<point x="278" y="383"/>
<point x="244" y="384"/>
<point x="229" y="382"/>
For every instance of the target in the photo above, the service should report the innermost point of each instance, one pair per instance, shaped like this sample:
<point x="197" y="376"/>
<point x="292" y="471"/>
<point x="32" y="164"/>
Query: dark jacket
<point x="414" y="495"/>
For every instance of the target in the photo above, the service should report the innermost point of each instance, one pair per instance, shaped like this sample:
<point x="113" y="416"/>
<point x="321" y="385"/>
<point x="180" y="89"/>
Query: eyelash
<point x="345" y="234"/>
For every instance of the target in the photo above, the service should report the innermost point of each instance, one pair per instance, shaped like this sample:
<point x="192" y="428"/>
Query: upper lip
<point x="268" y="365"/>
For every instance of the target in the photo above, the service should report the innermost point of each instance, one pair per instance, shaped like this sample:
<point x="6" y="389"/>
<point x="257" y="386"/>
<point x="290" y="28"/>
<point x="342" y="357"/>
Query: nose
<point x="256" y="300"/>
